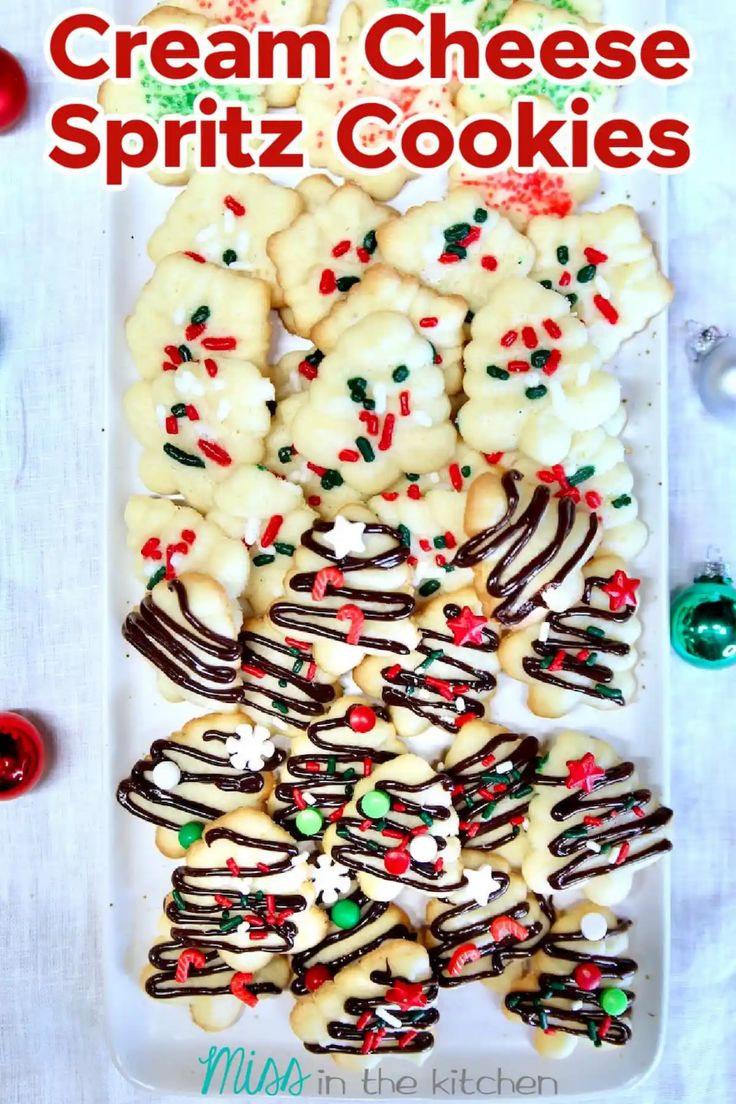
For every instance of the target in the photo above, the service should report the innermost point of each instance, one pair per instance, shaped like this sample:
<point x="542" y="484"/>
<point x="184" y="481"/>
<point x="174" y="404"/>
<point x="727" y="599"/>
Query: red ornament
<point x="583" y="773"/>
<point x="13" y="90"/>
<point x="316" y="976"/>
<point x="467" y="627"/>
<point x="621" y="591"/>
<point x="361" y="718"/>
<point x="397" y="862"/>
<point x="21" y="755"/>
<point x="587" y="976"/>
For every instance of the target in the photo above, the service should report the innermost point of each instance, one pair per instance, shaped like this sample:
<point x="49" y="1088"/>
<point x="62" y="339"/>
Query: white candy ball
<point x="166" y="775"/>
<point x="593" y="926"/>
<point x="423" y="848"/>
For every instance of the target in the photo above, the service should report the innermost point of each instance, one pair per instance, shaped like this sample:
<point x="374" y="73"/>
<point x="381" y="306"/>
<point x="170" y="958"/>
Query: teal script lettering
<point x="251" y="1075"/>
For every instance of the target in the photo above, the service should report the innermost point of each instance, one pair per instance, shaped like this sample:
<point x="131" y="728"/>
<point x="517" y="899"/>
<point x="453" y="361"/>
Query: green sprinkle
<point x="201" y="314"/>
<point x="439" y="542"/>
<point x="488" y="810"/>
<point x="608" y="692"/>
<point x="547" y="284"/>
<point x="412" y="477"/>
<point x="540" y="357"/>
<point x="405" y="535"/>
<point x="156" y="578"/>
<point x="184" y="352"/>
<point x="431" y="658"/>
<point x="541" y="762"/>
<point x="369" y="242"/>
<point x="285" y="454"/>
<point x="366" y="449"/>
<point x="480" y="214"/>
<point x="581" y="475"/>
<point x="331" y="479"/>
<point x="546" y="662"/>
<point x="426" y="818"/>
<point x="284" y="549"/>
<point x="179" y="410"/>
<point x="591" y="659"/>
<point x="536" y="392"/>
<point x="400" y="374"/>
<point x="357" y="383"/>
<point x="572" y="298"/>
<point x="229" y="257"/>
<point x="185" y="458"/>
<point x="593" y="630"/>
<point x="430" y="587"/>
<point x="282" y="707"/>
<point x="543" y="1019"/>
<point x="469" y="317"/>
<point x="344" y="283"/>
<point x="178" y="899"/>
<point x="587" y="273"/>
<point x="343" y="833"/>
<point x="262" y="560"/>
<point x="283" y="683"/>
<point x="369" y="404"/>
<point x="512" y="1001"/>
<point x="457" y="250"/>
<point x="575" y="833"/>
<point x="231" y="923"/>
<point x="523" y="792"/>
<point x="298" y="664"/>
<point x="622" y="500"/>
<point x="497" y="373"/>
<point x="466" y="470"/>
<point x="349" y="774"/>
<point x="563" y="255"/>
<point x="457" y="232"/>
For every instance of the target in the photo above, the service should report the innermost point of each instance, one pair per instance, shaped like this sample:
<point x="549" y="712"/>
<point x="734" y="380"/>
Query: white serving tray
<point x="155" y="1044"/>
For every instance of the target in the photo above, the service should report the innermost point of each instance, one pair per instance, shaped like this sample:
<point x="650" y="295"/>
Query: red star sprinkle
<point x="583" y="773"/>
<point x="467" y="627"/>
<point x="621" y="591"/>
<point x="406" y="994"/>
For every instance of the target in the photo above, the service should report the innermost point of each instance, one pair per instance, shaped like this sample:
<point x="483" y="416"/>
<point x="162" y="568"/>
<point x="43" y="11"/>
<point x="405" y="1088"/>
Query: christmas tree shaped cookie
<point x="578" y="989"/>
<point x="213" y="765"/>
<point x="377" y="407"/>
<point x="495" y="10"/>
<point x="488" y="930"/>
<point x="491" y="771"/>
<point x="216" y="994"/>
<point x="187" y="628"/>
<point x="399" y="830"/>
<point x="381" y="1005"/>
<point x="166" y="538"/>
<point x="585" y="654"/>
<point x="606" y="266"/>
<point x="590" y="822"/>
<point x="227" y="218"/>
<point x="294" y="371"/>
<point x="282" y="684"/>
<point x="449" y="676"/>
<point x="532" y="377"/>
<point x="324" y="765"/>
<point x="244" y="892"/>
<point x="528" y="547"/>
<point x="326" y="250"/>
<point x="457" y="246"/>
<point x="347" y="592"/>
<point x="191" y="310"/>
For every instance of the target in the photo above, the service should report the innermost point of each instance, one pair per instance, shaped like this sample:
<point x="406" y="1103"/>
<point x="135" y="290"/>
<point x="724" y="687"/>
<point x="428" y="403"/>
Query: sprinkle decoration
<point x="345" y="536"/>
<point x="406" y="995"/>
<point x="467" y="627"/>
<point x="621" y="591"/>
<point x="316" y="976"/>
<point x="584" y="773"/>
<point x="239" y="988"/>
<point x="461" y="957"/>
<point x="188" y="959"/>
<point x="326" y="576"/>
<point x="356" y="617"/>
<point x="396" y="862"/>
<point x="503" y="927"/>
<point x="361" y="718"/>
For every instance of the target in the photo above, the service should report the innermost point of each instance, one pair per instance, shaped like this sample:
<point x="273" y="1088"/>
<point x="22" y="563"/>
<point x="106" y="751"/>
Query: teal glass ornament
<point x="703" y="619"/>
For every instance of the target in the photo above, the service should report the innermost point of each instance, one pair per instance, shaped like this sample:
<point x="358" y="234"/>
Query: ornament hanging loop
<point x="702" y="340"/>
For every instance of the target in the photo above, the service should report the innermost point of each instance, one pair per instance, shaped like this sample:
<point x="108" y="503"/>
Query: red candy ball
<point x="587" y="976"/>
<point x="361" y="718"/>
<point x="21" y="755"/>
<point x="13" y="90"/>
<point x="397" y="862"/>
<point x="316" y="976"/>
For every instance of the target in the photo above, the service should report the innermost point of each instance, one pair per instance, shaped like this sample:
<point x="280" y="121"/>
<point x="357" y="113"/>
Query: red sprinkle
<point x="387" y="434"/>
<point x="607" y="309"/>
<point x="558" y="661"/>
<point x="553" y="363"/>
<point x="622" y="854"/>
<point x="448" y="258"/>
<point x="404" y="407"/>
<point x="234" y="205"/>
<point x="472" y="236"/>
<point x="210" y="367"/>
<point x="370" y="421"/>
<point x="565" y="279"/>
<point x="356" y="617"/>
<point x="172" y="425"/>
<point x="489" y="263"/>
<point x="348" y="456"/>
<point x="239" y="988"/>
<point x="341" y="248"/>
<point x="233" y="867"/>
<point x="272" y="530"/>
<point x="214" y="452"/>
<point x="223" y="902"/>
<point x="413" y="491"/>
<point x="407" y="1038"/>
<point x="314" y="500"/>
<point x="219" y="344"/>
<point x="307" y="370"/>
<point x="327" y="282"/>
<point x="151" y="550"/>
<point x="594" y="256"/>
<point x="553" y="330"/>
<point x="194" y="256"/>
<point x="192" y="413"/>
<point x="593" y="499"/>
<point x="194" y="330"/>
<point x="456" y="477"/>
<point x="325" y="577"/>
<point x="188" y="958"/>
<point x="518" y="366"/>
<point x="493" y="457"/>
<point x="363" y="254"/>
<point x="529" y="337"/>
<point x="467" y="952"/>
<point x="509" y="339"/>
<point x="249" y="669"/>
<point x="390" y="496"/>
<point x="604" y="1026"/>
<point x="428" y="323"/>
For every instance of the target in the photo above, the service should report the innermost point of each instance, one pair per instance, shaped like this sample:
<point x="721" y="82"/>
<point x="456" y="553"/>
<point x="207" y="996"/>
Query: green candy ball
<point x="309" y="821"/>
<point x="190" y="833"/>
<point x="614" y="1002"/>
<point x="375" y="804"/>
<point x="345" y="914"/>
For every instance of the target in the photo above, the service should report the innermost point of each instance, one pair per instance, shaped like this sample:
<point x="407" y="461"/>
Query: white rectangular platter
<point x="478" y="1051"/>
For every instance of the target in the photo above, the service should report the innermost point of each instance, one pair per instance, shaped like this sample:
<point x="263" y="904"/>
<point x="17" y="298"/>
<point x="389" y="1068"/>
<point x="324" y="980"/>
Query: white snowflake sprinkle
<point x="331" y="879"/>
<point x="249" y="747"/>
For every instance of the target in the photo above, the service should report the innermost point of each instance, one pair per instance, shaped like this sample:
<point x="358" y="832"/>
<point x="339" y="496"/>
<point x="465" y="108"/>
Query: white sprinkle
<point x="593" y="846"/>
<point x="161" y="414"/>
<point x="603" y="286"/>
<point x="388" y="1017"/>
<point x="423" y="849"/>
<point x="252" y="529"/>
<point x="620" y="855"/>
<point x="239" y="266"/>
<point x="525" y="823"/>
<point x="504" y="768"/>
<point x="217" y="384"/>
<point x="206" y="233"/>
<point x="584" y="373"/>
<point x="593" y="926"/>
<point x="265" y="390"/>
<point x="186" y="383"/>
<point x="434" y="477"/>
<point x="179" y="316"/>
<point x="379" y="397"/>
<point x="309" y="799"/>
<point x="544" y="632"/>
<point x="223" y="409"/>
<point x="460" y="703"/>
<point x="422" y="418"/>
<point x="228" y="220"/>
<point x="166" y="775"/>
<point x="242" y="241"/>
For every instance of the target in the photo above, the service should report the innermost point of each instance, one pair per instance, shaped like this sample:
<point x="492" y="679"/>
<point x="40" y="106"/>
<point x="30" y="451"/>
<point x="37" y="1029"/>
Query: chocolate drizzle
<point x="559" y="1004"/>
<point x="514" y="590"/>
<point x="446" y="683"/>
<point x="606" y="821"/>
<point x="589" y="678"/>
<point x="287" y="690"/>
<point x="319" y="618"/>
<point x="367" y="935"/>
<point x="138" y="793"/>
<point x="328" y="774"/>
<point x="211" y="980"/>
<point x="491" y="805"/>
<point x="175" y="650"/>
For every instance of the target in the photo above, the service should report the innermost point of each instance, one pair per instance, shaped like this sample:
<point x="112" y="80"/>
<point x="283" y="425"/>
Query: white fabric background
<point x="52" y="1045"/>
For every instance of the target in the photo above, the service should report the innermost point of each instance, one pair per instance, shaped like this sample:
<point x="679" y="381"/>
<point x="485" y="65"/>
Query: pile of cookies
<point x="343" y="552"/>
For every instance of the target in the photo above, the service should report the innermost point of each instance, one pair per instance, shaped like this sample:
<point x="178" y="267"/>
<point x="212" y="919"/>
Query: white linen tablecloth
<point x="52" y="1045"/>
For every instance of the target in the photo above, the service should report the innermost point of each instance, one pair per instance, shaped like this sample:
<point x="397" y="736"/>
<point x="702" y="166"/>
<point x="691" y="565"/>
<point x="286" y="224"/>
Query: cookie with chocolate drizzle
<point x="446" y="681"/>
<point x="324" y="765"/>
<point x="187" y="628"/>
<point x="578" y="986"/>
<point x="383" y="1004"/>
<point x="244" y="892"/>
<point x="348" y="592"/>
<point x="399" y="830"/>
<point x="190" y="776"/>
<point x="528" y="547"/>
<point x="590" y="823"/>
<point x="491" y="771"/>
<point x="585" y="654"/>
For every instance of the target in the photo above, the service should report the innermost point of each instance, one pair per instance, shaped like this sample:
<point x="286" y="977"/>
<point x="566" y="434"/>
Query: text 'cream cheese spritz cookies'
<point x="213" y="765"/>
<point x="590" y="822"/>
<point x="532" y="377"/>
